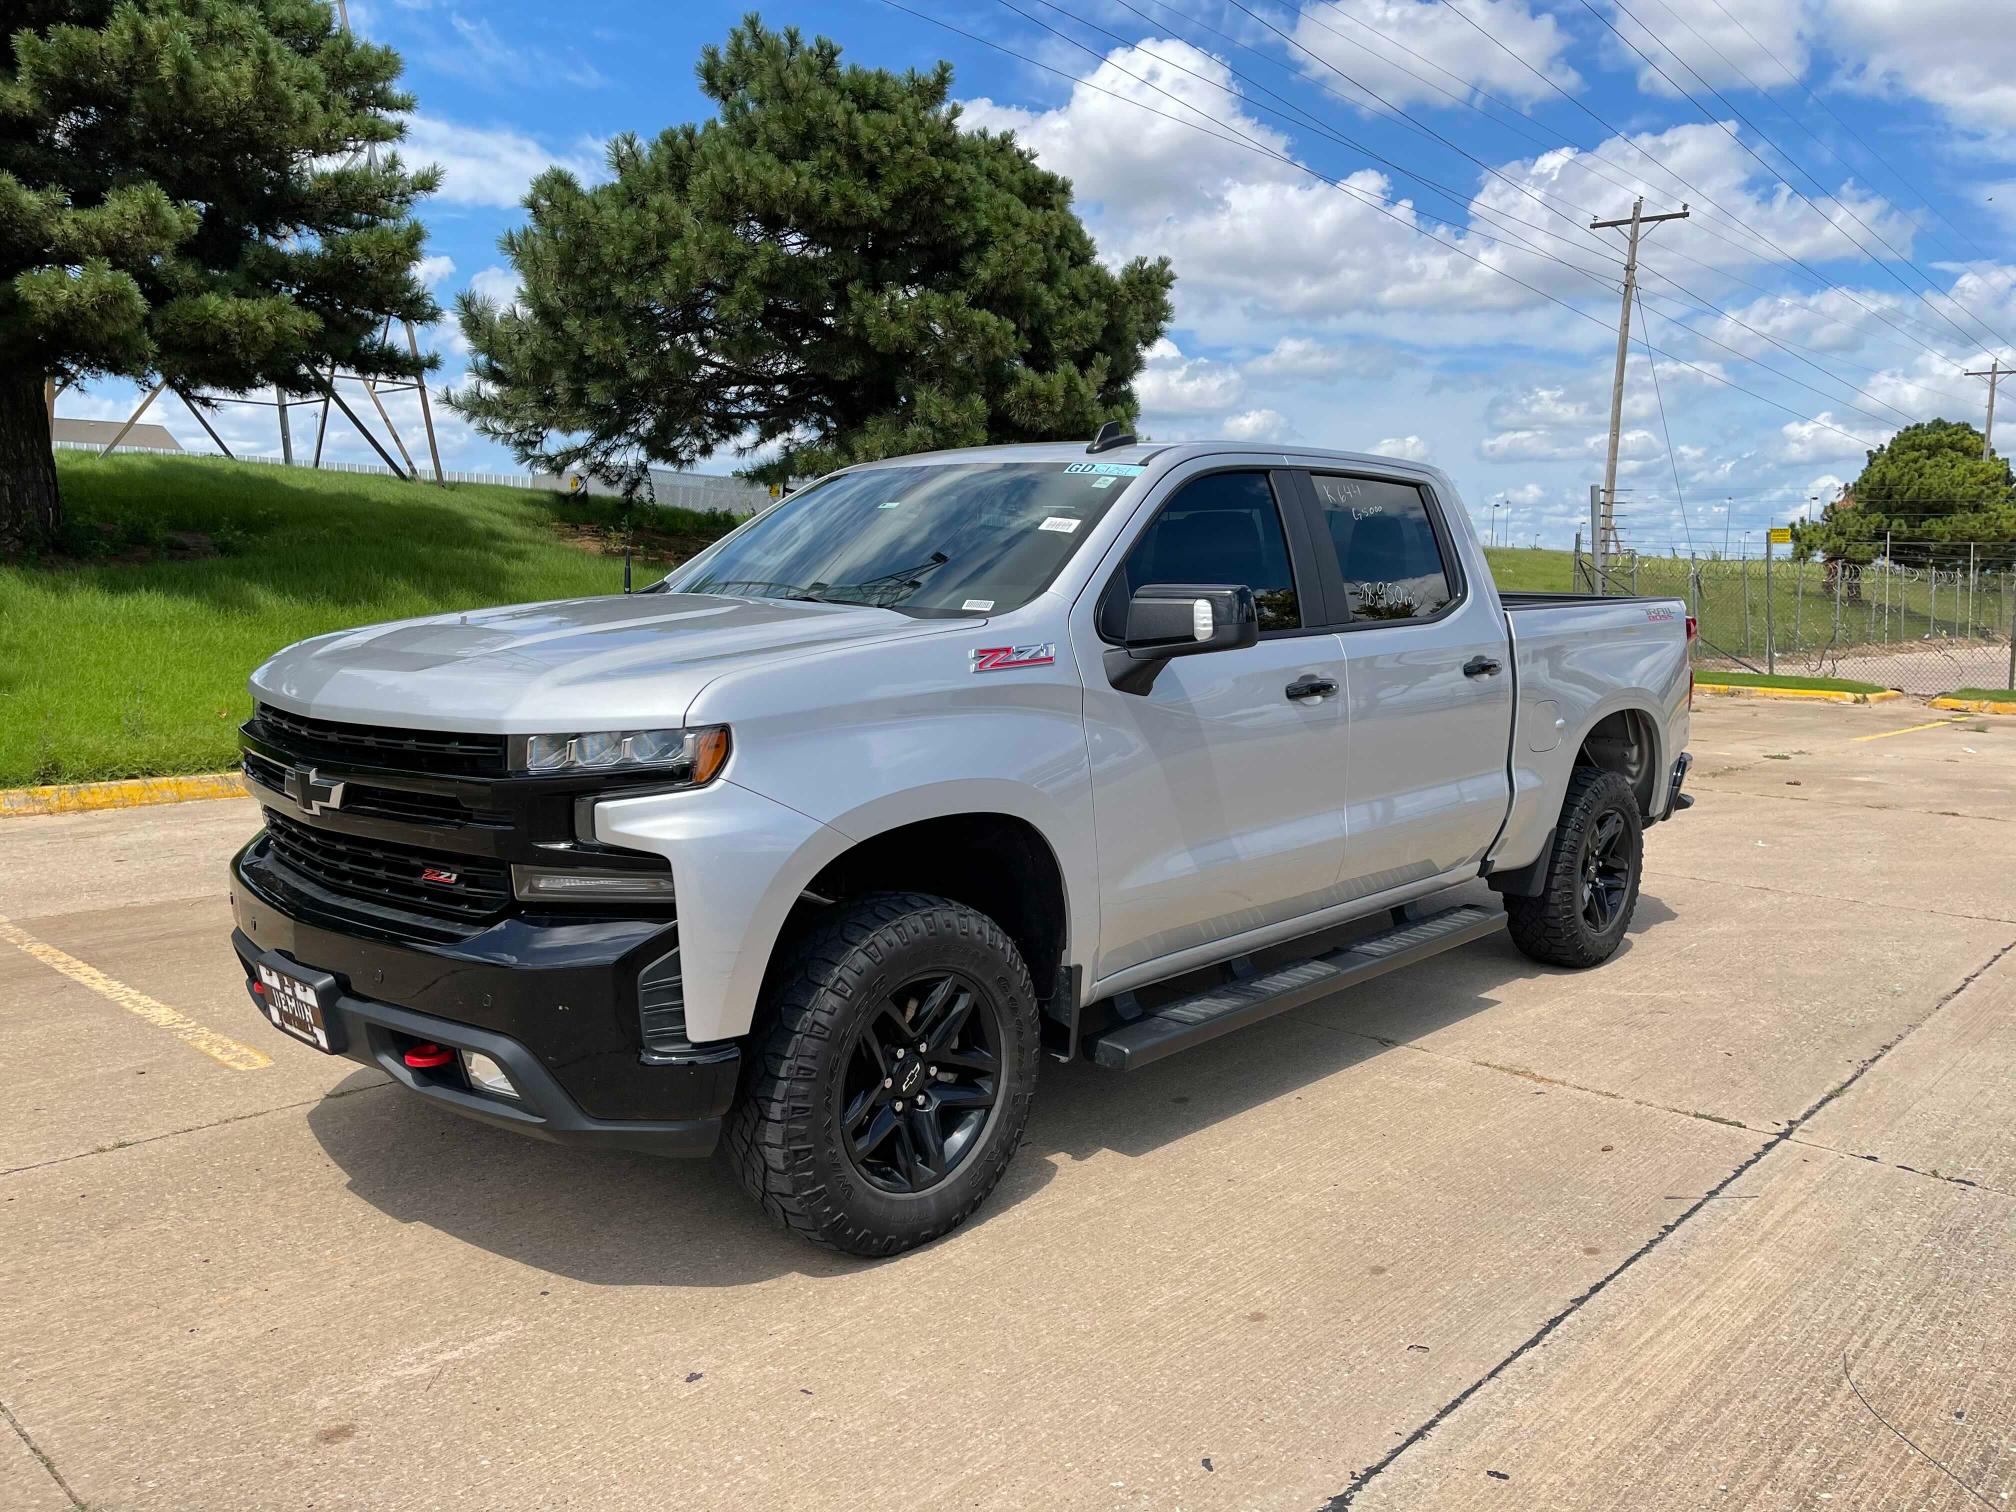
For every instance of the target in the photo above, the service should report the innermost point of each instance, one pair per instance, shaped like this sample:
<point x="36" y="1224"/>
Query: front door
<point x="1217" y="796"/>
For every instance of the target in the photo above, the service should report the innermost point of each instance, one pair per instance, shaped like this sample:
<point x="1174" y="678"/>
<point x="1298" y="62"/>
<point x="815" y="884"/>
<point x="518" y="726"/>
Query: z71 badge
<point x="1008" y="658"/>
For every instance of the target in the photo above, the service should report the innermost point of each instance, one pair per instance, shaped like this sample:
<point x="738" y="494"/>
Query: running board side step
<point x="1216" y="1011"/>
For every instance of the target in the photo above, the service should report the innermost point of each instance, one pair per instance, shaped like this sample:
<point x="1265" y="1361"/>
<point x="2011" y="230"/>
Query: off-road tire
<point x="783" y="1136"/>
<point x="1553" y="927"/>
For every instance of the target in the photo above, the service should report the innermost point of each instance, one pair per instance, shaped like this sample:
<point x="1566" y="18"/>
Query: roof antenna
<point x="1113" y="433"/>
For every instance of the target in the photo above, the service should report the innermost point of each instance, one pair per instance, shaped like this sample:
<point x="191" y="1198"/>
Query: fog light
<point x="486" y="1075"/>
<point x="537" y="883"/>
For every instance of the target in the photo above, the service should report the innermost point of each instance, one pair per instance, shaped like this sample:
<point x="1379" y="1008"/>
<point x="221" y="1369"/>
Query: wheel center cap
<point x="911" y="1076"/>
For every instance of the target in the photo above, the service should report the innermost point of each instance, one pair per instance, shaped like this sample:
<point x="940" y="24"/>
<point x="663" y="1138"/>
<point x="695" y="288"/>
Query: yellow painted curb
<point x="84" y="797"/>
<point x="1825" y="695"/>
<point x="1976" y="705"/>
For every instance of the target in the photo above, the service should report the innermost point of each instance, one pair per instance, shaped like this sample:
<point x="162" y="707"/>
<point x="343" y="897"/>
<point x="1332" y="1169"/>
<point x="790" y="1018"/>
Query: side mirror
<point x="1166" y="620"/>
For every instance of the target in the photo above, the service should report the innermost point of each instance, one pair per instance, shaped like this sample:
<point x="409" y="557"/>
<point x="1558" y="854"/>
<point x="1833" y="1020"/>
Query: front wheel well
<point x="996" y="863"/>
<point x="1625" y="743"/>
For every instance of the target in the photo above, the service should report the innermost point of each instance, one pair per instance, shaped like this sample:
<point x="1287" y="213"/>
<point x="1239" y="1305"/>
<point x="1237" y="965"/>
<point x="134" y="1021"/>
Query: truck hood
<point x="623" y="662"/>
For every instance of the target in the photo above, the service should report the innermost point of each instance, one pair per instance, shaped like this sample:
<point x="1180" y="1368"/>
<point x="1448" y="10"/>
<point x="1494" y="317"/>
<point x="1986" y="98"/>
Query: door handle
<point x="1481" y="666"/>
<point x="1311" y="687"/>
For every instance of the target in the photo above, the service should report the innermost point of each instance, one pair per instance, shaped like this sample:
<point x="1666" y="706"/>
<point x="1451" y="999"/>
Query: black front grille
<point x="369" y="802"/>
<point x="390" y="875"/>
<point x="359" y="745"/>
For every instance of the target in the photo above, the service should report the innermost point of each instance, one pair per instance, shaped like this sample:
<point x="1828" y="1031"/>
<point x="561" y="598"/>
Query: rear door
<point x="1217" y="796"/>
<point x="1429" y="704"/>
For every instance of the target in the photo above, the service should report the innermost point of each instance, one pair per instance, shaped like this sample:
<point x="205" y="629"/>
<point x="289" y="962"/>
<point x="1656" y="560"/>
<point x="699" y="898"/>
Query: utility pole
<point x="1637" y="221"/>
<point x="1993" y="374"/>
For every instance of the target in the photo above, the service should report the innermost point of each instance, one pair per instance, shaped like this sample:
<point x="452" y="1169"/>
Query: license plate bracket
<point x="300" y="1001"/>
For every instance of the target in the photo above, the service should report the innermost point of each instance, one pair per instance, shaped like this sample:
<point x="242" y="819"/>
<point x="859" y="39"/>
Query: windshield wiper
<point x="904" y="580"/>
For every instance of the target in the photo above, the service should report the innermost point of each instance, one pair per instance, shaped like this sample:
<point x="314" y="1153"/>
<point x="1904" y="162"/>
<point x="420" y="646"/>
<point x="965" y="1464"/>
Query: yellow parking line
<point x="1937" y="724"/>
<point x="219" y="1047"/>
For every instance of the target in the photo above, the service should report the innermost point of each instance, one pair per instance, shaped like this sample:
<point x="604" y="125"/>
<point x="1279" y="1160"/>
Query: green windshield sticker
<point x="1107" y="469"/>
<point x="892" y="504"/>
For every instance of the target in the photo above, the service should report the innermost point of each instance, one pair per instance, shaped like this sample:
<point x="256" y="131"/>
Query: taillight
<point x="1693" y="629"/>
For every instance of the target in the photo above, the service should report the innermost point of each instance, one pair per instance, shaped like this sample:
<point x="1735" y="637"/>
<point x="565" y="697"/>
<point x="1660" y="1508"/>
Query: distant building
<point x="95" y="433"/>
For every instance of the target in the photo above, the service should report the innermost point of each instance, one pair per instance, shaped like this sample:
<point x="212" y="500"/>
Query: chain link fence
<point x="1930" y="628"/>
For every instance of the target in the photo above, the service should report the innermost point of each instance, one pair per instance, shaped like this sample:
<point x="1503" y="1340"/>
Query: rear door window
<point x="1387" y="549"/>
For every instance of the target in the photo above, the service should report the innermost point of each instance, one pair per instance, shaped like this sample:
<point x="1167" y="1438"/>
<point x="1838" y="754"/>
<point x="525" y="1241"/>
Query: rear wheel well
<point x="996" y="863"/>
<point x="1625" y="743"/>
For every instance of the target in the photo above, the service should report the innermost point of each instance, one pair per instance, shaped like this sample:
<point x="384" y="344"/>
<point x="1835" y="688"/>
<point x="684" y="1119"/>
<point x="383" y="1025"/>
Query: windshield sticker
<point x="980" y="605"/>
<point x="1104" y="482"/>
<point x="1107" y="469"/>
<point x="892" y="504"/>
<point x="1063" y="524"/>
<point x="1008" y="658"/>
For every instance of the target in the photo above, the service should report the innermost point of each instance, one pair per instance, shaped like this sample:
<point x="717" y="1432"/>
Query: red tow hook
<point x="425" y="1057"/>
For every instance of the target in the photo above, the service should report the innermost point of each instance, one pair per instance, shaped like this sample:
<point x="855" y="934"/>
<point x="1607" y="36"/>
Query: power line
<point x="1376" y="203"/>
<point x="1818" y="277"/>
<point x="1764" y="163"/>
<point x="1811" y="178"/>
<point x="1587" y="160"/>
<point x="1671" y="456"/>
<point x="1843" y="124"/>
<point x="1457" y="198"/>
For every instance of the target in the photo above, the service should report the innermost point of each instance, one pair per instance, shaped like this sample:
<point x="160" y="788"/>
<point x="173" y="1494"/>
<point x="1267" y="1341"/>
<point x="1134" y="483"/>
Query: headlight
<point x="689" y="758"/>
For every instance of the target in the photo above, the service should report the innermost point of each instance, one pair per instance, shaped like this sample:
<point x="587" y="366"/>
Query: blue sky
<point x="1377" y="212"/>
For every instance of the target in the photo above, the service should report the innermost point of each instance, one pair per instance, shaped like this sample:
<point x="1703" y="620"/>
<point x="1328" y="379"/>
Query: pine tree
<point x="831" y="270"/>
<point x="183" y="198"/>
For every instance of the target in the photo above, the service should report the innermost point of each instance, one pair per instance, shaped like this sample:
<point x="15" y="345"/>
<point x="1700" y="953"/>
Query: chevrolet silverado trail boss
<point x="943" y="764"/>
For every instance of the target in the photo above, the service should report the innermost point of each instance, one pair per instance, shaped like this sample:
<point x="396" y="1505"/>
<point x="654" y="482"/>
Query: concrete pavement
<point x="1480" y="1233"/>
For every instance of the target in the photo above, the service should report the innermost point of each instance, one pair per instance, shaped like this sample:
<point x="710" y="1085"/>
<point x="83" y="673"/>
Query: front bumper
<point x="552" y="999"/>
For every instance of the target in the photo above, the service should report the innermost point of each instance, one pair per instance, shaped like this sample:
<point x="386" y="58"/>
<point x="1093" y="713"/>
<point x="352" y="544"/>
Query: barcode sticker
<point x="1063" y="524"/>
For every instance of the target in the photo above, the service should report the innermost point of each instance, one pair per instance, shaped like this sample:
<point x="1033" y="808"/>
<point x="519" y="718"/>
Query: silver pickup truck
<point x="817" y="847"/>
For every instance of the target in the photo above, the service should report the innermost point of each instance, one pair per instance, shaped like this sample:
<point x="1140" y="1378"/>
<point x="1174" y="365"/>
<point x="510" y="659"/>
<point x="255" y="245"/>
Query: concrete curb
<point x="85" y="797"/>
<point x="1824" y="695"/>
<point x="1976" y="705"/>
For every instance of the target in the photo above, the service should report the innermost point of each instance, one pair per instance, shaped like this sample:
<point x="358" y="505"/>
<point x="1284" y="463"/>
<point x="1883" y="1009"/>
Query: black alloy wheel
<point x="1606" y="870"/>
<point x="921" y="1083"/>
<point x="1590" y="886"/>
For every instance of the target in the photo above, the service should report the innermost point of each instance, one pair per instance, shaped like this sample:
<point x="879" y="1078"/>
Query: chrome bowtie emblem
<point x="313" y="791"/>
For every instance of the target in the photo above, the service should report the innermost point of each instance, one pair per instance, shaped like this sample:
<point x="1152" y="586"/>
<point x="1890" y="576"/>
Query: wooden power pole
<point x="1637" y="222"/>
<point x="1993" y="373"/>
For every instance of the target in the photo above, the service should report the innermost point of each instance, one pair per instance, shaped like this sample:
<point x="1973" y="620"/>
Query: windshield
<point x="935" y="538"/>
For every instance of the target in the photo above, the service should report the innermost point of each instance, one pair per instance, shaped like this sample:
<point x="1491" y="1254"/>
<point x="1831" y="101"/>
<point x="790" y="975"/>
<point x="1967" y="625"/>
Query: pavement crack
<point x="40" y="1458"/>
<point x="1343" y="1499"/>
<point x="1896" y="1165"/>
<point x="217" y="1123"/>
<point x="1525" y="1074"/>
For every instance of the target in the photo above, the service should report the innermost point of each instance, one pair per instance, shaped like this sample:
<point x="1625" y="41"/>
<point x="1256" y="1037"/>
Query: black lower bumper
<point x="553" y="1001"/>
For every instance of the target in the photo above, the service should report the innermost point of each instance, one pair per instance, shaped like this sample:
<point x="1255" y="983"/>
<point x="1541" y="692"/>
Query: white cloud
<point x="431" y="270"/>
<point x="1172" y="384"/>
<point x="1371" y="42"/>
<point x="497" y="284"/>
<point x="1823" y="438"/>
<point x="1257" y="425"/>
<point x="1718" y="45"/>
<point x="1404" y="448"/>
<point x="490" y="165"/>
<point x="1130" y="160"/>
<point x="1298" y="357"/>
<point x="1958" y="55"/>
